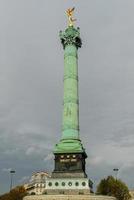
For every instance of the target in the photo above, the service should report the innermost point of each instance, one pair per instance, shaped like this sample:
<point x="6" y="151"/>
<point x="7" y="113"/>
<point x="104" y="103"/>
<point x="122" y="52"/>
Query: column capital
<point x="71" y="36"/>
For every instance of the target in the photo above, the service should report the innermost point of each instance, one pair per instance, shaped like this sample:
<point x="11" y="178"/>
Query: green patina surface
<point x="70" y="141"/>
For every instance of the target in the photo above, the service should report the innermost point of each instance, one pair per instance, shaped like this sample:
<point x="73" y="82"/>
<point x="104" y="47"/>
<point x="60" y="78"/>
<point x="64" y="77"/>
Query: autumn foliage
<point x="113" y="187"/>
<point x="15" y="194"/>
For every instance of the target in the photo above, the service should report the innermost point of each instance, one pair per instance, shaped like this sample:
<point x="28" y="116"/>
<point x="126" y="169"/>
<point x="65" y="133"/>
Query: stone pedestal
<point x="67" y="186"/>
<point x="69" y="164"/>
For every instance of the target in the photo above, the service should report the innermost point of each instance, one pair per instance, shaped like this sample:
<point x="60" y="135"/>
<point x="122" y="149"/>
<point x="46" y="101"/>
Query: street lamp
<point x="12" y="172"/>
<point x="116" y="172"/>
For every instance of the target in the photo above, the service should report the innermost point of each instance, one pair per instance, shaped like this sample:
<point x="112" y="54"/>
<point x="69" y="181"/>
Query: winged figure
<point x="69" y="13"/>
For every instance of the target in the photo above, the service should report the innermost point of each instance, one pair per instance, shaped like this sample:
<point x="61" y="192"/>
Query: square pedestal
<point x="67" y="186"/>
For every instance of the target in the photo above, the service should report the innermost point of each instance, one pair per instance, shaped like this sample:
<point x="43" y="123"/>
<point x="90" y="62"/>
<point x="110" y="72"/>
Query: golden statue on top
<point x="69" y="13"/>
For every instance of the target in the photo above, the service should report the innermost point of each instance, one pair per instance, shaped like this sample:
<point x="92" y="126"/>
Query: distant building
<point x="37" y="183"/>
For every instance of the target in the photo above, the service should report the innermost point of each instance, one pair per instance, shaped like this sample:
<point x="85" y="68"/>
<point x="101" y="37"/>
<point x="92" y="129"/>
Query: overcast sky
<point x="31" y="86"/>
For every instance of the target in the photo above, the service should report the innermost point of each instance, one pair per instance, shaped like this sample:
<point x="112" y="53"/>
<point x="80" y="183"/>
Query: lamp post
<point x="116" y="172"/>
<point x="12" y="172"/>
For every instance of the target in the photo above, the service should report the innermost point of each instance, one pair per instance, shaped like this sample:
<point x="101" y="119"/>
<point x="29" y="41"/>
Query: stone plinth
<point x="66" y="186"/>
<point x="68" y="197"/>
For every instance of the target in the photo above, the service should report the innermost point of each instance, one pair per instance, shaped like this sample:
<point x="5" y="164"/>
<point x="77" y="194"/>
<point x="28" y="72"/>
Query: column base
<point x="69" y="146"/>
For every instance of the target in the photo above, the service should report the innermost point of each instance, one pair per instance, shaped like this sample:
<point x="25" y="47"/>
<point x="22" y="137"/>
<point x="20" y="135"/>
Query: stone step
<point x="68" y="197"/>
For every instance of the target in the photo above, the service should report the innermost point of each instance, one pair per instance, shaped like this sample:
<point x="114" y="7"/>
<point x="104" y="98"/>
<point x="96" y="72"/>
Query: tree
<point x="15" y="194"/>
<point x="113" y="187"/>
